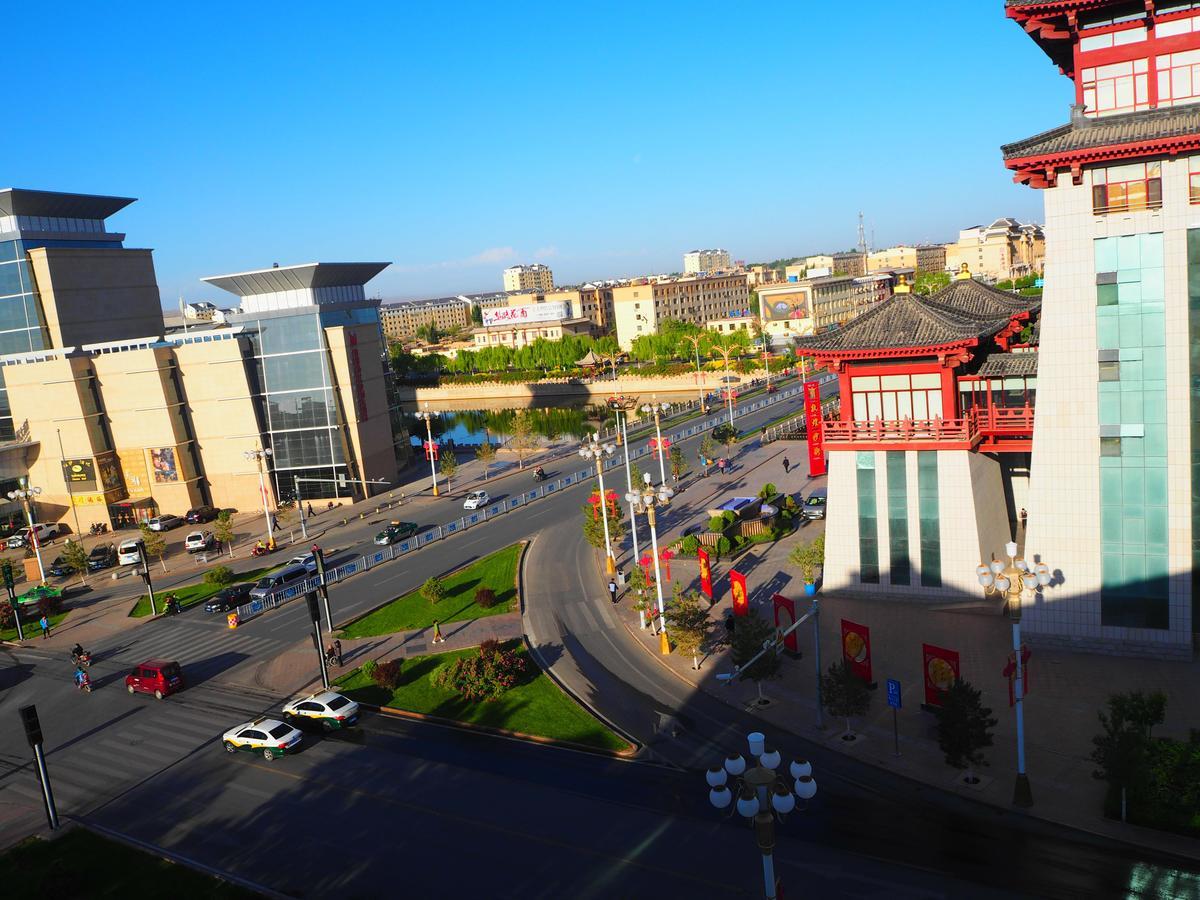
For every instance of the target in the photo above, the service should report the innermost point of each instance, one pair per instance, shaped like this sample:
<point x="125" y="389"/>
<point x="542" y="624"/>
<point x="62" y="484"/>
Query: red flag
<point x="856" y="648"/>
<point x="705" y="573"/>
<point x="785" y="618"/>
<point x="941" y="671"/>
<point x="741" y="599"/>
<point x="815" y="428"/>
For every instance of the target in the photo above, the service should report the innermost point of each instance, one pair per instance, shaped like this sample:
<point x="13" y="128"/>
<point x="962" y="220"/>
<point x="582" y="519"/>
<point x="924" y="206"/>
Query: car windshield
<point x="280" y="730"/>
<point x="337" y="702"/>
<point x="815" y="501"/>
<point x="264" y="582"/>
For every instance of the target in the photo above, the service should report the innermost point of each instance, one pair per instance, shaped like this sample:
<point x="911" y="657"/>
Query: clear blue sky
<point x="456" y="139"/>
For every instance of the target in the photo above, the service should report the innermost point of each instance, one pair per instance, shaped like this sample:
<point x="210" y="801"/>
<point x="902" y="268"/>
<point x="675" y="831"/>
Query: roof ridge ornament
<point x="902" y="285"/>
<point x="964" y="273"/>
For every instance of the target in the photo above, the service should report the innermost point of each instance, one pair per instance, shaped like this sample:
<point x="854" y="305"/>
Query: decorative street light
<point x="696" y="340"/>
<point x="258" y="454"/>
<point x="27" y="495"/>
<point x="762" y="795"/>
<point x="646" y="500"/>
<point x="593" y="449"/>
<point x="1016" y="582"/>
<point x="427" y="414"/>
<point x="625" y="405"/>
<point x="657" y="409"/>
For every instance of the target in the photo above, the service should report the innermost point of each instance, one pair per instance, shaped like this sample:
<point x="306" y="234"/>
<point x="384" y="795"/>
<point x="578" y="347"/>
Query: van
<point x="160" y="677"/>
<point x="285" y="577"/>
<point x="127" y="552"/>
<point x="814" y="506"/>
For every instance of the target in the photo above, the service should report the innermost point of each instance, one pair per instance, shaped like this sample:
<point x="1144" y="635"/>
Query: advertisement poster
<point x="431" y="450"/>
<point x="80" y="474"/>
<point x="741" y="599"/>
<point x="705" y="573"/>
<point x="941" y="669"/>
<point x="110" y="472"/>
<point x="816" y="429"/>
<point x="133" y="471"/>
<point x="779" y="307"/>
<point x="856" y="649"/>
<point x="785" y="618"/>
<point x="162" y="461"/>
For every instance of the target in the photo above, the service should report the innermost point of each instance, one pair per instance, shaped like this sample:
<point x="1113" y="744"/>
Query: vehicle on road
<point x="128" y="552"/>
<point x="101" y="557"/>
<point x="814" y="506"/>
<point x="164" y="523"/>
<point x="197" y="515"/>
<point x="270" y="737"/>
<point x="396" y="531"/>
<point x="160" y="677"/>
<point x="309" y="561"/>
<point x="230" y="598"/>
<point x="285" y="577"/>
<point x="328" y="709"/>
<point x="476" y="499"/>
<point x="60" y="568"/>
<point x="199" y="542"/>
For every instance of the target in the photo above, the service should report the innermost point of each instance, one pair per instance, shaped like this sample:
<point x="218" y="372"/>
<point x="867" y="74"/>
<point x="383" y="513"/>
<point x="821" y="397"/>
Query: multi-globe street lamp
<point x="1016" y="582"/>
<point x="595" y="449"/>
<point x="646" y="500"/>
<point x="657" y="409"/>
<point x="427" y="414"/>
<point x="27" y="495"/>
<point x="624" y="405"/>
<point x="259" y="454"/>
<point x="762" y="795"/>
<point x="696" y="340"/>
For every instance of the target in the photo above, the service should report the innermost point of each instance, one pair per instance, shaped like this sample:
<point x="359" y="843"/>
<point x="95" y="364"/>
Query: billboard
<point x="856" y="649"/>
<point x="162" y="461"/>
<point x="522" y="315"/>
<point x="779" y="307"/>
<point x="80" y="474"/>
<point x="785" y="618"/>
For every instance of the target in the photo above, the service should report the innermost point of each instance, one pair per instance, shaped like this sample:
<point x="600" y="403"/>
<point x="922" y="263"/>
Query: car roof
<point x="263" y="722"/>
<point x="819" y="492"/>
<point x="320" y="697"/>
<point x="157" y="663"/>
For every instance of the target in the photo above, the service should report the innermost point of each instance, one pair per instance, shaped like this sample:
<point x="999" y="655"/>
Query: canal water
<point x="551" y="422"/>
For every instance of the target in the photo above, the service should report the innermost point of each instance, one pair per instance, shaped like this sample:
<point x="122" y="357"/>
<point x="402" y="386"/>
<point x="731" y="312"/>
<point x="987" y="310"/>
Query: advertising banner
<point x="779" y="307"/>
<point x="785" y="618"/>
<point x="941" y="669"/>
<point x="705" y="573"/>
<point x="856" y="649"/>
<point x="431" y="449"/>
<point x="134" y="472"/>
<point x="162" y="461"/>
<point x="110" y="472"/>
<point x="741" y="599"/>
<point x="80" y="474"/>
<point x="815" y="427"/>
<point x="520" y="315"/>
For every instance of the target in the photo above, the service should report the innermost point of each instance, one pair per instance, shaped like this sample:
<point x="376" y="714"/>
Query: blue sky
<point x="456" y="139"/>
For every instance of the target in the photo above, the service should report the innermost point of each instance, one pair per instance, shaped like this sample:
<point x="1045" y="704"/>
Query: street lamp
<point x="594" y="449"/>
<point x="762" y="795"/>
<point x="696" y="340"/>
<point x="427" y="414"/>
<point x="646" y="500"/>
<point x="1016" y="582"/>
<point x="624" y="405"/>
<point x="258" y="454"/>
<point x="26" y="495"/>
<point x="657" y="409"/>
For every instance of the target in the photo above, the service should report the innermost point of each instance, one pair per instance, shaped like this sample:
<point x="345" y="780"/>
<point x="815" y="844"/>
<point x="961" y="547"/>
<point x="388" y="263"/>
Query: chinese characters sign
<point x="705" y="573"/>
<point x="815" y="428"/>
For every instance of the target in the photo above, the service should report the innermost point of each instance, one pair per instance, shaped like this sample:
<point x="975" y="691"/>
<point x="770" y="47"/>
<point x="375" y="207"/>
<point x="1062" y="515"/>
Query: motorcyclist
<point x="260" y="547"/>
<point x="80" y="676"/>
<point x="539" y="473"/>
<point x="77" y="653"/>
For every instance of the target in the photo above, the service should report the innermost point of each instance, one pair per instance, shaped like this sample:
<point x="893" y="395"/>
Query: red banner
<point x="705" y="573"/>
<point x="431" y="449"/>
<point x="741" y="599"/>
<point x="941" y="671"/>
<point x="815" y="427"/>
<point x="785" y="618"/>
<point x="1010" y="672"/>
<point x="856" y="648"/>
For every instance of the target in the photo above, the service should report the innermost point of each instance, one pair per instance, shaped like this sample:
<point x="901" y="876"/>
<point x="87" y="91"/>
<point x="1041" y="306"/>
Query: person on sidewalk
<point x="1024" y="518"/>
<point x="310" y="511"/>
<point x="612" y="590"/>
<point x="274" y="523"/>
<point x="786" y="465"/>
<point x="337" y="652"/>
<point x="45" y="623"/>
<point x="437" y="633"/>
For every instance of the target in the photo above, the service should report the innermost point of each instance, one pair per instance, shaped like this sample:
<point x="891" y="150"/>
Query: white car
<point x="270" y="737"/>
<point x="199" y="541"/>
<point x="476" y="499"/>
<point x="330" y="710"/>
<point x="127" y="552"/>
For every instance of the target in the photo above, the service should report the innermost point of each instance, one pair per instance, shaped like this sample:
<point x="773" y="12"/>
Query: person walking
<point x="437" y="633"/>
<point x="786" y="465"/>
<point x="1024" y="518"/>
<point x="612" y="590"/>
<point x="310" y="511"/>
<point x="337" y="652"/>
<point x="274" y="522"/>
<point x="45" y="623"/>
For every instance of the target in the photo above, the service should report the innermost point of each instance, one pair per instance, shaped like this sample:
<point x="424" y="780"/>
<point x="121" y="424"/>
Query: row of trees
<point x="676" y="341"/>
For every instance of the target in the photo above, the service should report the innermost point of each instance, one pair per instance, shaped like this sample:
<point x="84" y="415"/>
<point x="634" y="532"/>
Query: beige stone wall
<point x="354" y="355"/>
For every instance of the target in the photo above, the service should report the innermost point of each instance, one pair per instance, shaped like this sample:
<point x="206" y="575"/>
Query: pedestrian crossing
<point x="216" y="649"/>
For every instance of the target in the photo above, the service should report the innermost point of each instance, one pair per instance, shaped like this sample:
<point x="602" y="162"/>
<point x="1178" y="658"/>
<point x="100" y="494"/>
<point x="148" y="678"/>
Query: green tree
<point x="1121" y="749"/>
<point x="688" y="623"/>
<point x="964" y="727"/>
<point x="486" y="454"/>
<point x="678" y="463"/>
<point x="285" y="514"/>
<point x="593" y="527"/>
<point x="76" y="556"/>
<point x="223" y="530"/>
<point x="844" y="694"/>
<point x="930" y="282"/>
<point x="448" y="463"/>
<point x="476" y="313"/>
<point x="749" y="634"/>
<point x="708" y="447"/>
<point x="642" y="589"/>
<point x="809" y="558"/>
<point x="433" y="590"/>
<point x="521" y="437"/>
<point x="155" y="543"/>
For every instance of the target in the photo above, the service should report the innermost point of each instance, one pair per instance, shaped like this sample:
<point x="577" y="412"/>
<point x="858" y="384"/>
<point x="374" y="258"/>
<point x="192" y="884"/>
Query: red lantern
<point x="610" y="498"/>
<point x="665" y="556"/>
<point x="431" y="450"/>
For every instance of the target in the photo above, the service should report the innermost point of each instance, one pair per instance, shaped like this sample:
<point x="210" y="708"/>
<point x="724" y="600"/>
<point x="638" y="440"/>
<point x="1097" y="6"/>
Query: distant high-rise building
<point x="1004" y="249"/>
<point x="639" y="306"/>
<point x="536" y="277"/>
<point x="697" y="261"/>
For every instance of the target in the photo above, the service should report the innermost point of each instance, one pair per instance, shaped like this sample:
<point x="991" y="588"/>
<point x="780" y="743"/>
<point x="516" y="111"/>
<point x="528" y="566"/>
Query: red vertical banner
<point x="785" y="618"/>
<point x="856" y="649"/>
<point x="741" y="599"/>
<point x="941" y="671"/>
<point x="705" y="573"/>
<point x="1010" y="672"/>
<point x="815" y="427"/>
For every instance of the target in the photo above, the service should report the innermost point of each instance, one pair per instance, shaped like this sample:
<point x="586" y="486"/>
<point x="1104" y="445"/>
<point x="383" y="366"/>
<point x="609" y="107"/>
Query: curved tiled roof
<point x="1127" y="128"/>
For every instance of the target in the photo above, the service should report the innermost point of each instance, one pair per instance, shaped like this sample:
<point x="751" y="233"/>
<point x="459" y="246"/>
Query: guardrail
<point x="477" y="517"/>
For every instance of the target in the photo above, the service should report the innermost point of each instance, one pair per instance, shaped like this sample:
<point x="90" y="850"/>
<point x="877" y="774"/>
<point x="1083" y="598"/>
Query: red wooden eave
<point x="1042" y="171"/>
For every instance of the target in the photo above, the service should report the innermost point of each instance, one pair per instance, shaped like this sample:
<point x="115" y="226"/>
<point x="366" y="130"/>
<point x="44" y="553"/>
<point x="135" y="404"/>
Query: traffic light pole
<point x="33" y="734"/>
<point x="319" y="557"/>
<point x="315" y="613"/>
<point x="145" y="573"/>
<point x="10" y="587"/>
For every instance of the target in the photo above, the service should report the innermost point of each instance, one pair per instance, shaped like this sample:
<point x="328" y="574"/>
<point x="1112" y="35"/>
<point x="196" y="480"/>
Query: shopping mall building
<point x="117" y="417"/>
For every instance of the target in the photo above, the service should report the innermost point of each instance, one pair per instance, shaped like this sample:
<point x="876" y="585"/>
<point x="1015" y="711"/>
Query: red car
<point x="159" y="677"/>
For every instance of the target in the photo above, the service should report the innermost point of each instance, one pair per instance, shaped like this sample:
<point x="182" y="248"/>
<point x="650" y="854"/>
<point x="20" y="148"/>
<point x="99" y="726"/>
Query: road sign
<point x="1039" y="282"/>
<point x="893" y="688"/>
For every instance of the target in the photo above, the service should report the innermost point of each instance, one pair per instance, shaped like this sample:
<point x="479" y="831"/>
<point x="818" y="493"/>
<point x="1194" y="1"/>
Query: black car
<point x="199" y="514"/>
<point x="230" y="598"/>
<point x="102" y="557"/>
<point x="60" y="568"/>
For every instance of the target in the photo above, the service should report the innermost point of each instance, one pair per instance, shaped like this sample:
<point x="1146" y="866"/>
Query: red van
<point x="159" y="677"/>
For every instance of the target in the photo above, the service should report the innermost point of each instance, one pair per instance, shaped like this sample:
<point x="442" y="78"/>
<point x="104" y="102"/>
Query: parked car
<point x="43" y="531"/>
<point x="476" y="499"/>
<point x="309" y="561"/>
<point x="164" y="523"/>
<point x="230" y="598"/>
<point x="270" y="737"/>
<point x="101" y="557"/>
<point x="285" y="577"/>
<point x="128" y="552"/>
<point x="199" y="541"/>
<point x="396" y="531"/>
<point x="325" y="708"/>
<point x="814" y="506"/>
<point x="160" y="677"/>
<point x="60" y="568"/>
<point x="200" y="514"/>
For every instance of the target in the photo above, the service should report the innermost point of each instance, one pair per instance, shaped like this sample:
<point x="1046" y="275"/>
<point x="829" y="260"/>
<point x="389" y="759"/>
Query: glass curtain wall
<point x="931" y="536"/>
<point x="899" y="565"/>
<point x="868" y="521"/>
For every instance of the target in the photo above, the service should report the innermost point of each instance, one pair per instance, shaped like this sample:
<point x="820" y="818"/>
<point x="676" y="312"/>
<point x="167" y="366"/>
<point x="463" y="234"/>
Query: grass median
<point x="535" y="705"/>
<point x="497" y="571"/>
<point x="29" y="623"/>
<point x="193" y="593"/>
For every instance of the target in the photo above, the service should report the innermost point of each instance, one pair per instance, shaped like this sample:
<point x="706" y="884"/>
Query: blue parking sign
<point x="893" y="688"/>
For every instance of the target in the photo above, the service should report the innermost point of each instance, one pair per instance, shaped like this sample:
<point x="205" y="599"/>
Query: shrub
<point x="369" y="667"/>
<point x="716" y="524"/>
<point x="767" y="491"/>
<point x="48" y="606"/>
<point x="6" y="615"/>
<point x="485" y="676"/>
<point x="724" y="546"/>
<point x="489" y="646"/>
<point x="219" y="576"/>
<point x="433" y="590"/>
<point x="387" y="674"/>
<point x="485" y="598"/>
<point x="689" y="545"/>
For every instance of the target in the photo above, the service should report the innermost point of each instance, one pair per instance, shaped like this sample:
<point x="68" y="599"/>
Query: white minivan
<point x="127" y="552"/>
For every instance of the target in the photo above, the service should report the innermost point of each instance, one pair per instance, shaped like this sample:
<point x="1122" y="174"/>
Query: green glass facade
<point x="1193" y="257"/>
<point x="899" y="563"/>
<point x="868" y="522"/>
<point x="931" y="537"/>
<point x="1132" y="401"/>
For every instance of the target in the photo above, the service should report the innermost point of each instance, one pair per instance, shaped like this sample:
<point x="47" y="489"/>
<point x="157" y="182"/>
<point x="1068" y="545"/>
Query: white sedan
<point x="199" y="541"/>
<point x="330" y="710"/>
<point x="270" y="737"/>
<point x="476" y="499"/>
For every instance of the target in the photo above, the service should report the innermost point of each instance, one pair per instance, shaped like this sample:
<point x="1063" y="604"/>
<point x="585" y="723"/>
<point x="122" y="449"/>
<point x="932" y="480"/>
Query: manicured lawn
<point x="29" y="623"/>
<point x="498" y="572"/>
<point x="534" y="706"/>
<point x="83" y="864"/>
<point x="193" y="593"/>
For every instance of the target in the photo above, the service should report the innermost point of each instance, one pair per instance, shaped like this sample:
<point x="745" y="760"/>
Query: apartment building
<point x="853" y="264"/>
<point x="536" y="277"/>
<point x="522" y="323"/>
<point x="1002" y="250"/>
<point x="640" y="306"/>
<point x="400" y="320"/>
<point x="837" y="299"/>
<point x="593" y="302"/>
<point x="931" y="258"/>
<point x="898" y="257"/>
<point x="697" y="261"/>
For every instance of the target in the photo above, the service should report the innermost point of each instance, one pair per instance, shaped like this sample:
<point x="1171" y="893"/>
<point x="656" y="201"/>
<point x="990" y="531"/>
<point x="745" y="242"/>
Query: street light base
<point x="609" y="566"/>
<point x="435" y="490"/>
<point x="664" y="645"/>
<point x="1022" y="792"/>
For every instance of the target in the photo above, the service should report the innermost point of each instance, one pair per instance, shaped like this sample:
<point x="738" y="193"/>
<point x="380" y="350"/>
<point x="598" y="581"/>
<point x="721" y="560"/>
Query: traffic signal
<point x="7" y="569"/>
<point x="319" y="558"/>
<point x="314" y="611"/>
<point x="33" y="728"/>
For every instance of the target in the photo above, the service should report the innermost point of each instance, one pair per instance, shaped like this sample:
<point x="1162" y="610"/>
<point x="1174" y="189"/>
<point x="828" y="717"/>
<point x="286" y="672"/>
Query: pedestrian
<point x="45" y="623"/>
<point x="437" y="633"/>
<point x="786" y="465"/>
<point x="1024" y="518"/>
<point x="337" y="651"/>
<point x="612" y="590"/>
<point x="274" y="522"/>
<point x="310" y="511"/>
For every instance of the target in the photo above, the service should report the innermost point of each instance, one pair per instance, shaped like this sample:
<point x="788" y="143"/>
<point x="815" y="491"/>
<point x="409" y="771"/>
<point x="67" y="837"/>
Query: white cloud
<point x="492" y="255"/>
<point x="489" y="257"/>
<point x="545" y="253"/>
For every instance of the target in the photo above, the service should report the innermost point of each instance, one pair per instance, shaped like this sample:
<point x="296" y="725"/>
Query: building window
<point x="868" y="522"/>
<point x="1127" y="188"/>
<point x="931" y="538"/>
<point x="894" y="398"/>
<point x="899" y="567"/>
<point x="1178" y="77"/>
<point x="1117" y="88"/>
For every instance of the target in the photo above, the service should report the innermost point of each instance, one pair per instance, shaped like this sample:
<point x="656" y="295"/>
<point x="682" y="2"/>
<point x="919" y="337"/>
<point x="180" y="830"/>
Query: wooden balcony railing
<point x="969" y="430"/>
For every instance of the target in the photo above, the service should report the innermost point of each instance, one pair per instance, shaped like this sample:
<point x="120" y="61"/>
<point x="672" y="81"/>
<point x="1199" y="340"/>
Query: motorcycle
<point x="82" y="659"/>
<point x="539" y="475"/>
<point x="172" y="606"/>
<point x="99" y="528"/>
<point x="84" y="682"/>
<point x="259" y="551"/>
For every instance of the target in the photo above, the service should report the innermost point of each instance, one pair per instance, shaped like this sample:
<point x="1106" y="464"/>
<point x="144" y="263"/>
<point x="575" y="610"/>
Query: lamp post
<point x="258" y="454"/>
<point x="624" y="405"/>
<point x="763" y="795"/>
<point x="657" y="409"/>
<point x="646" y="500"/>
<point x="696" y="340"/>
<point x="27" y="495"/>
<point x="1016" y="582"/>
<point x="727" y="350"/>
<point x="427" y="414"/>
<point x="594" y="449"/>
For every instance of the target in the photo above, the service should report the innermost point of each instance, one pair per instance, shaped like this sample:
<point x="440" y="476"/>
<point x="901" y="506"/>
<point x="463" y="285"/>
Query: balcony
<point x="997" y="429"/>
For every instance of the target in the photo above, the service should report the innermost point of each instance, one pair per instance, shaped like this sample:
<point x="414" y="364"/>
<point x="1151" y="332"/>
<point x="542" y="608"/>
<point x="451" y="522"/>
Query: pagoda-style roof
<point x="1052" y="24"/>
<point x="1012" y="365"/>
